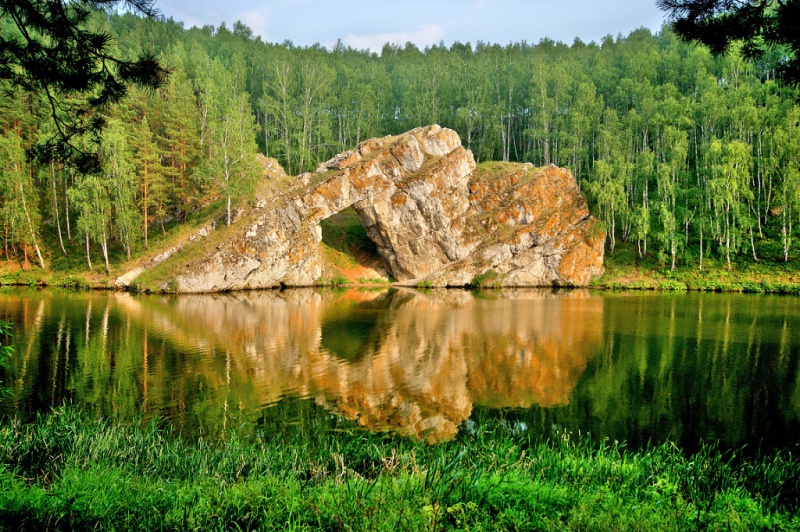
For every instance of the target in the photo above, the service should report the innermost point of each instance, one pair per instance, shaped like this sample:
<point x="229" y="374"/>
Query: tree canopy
<point x="52" y="47"/>
<point x="687" y="157"/>
<point x="766" y="28"/>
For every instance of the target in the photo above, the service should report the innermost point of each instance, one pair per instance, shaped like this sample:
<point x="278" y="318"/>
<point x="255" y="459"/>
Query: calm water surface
<point x="633" y="367"/>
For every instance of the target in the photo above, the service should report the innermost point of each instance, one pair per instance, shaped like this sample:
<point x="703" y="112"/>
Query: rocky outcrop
<point x="433" y="217"/>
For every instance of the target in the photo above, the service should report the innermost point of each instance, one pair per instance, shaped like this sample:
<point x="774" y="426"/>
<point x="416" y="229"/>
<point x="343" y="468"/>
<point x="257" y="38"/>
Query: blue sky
<point x="369" y="24"/>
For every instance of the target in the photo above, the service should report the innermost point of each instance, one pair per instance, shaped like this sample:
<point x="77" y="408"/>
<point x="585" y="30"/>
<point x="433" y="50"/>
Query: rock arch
<point x="430" y="214"/>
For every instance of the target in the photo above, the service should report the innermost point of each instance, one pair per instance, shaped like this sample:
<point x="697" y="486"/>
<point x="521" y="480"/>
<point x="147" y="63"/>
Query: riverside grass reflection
<point x="632" y="367"/>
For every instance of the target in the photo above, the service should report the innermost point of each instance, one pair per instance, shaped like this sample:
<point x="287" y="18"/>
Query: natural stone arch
<point x="431" y="216"/>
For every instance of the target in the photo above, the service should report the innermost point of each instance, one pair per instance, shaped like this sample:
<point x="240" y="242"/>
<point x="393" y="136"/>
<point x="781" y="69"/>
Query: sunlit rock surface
<point x="432" y="216"/>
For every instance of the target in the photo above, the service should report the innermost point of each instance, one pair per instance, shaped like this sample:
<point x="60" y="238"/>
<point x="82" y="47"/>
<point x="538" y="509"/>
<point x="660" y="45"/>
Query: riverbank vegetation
<point x="625" y="270"/>
<point x="691" y="159"/>
<point x="69" y="470"/>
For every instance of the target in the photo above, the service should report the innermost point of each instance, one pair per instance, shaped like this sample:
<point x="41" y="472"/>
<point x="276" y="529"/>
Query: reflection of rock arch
<point x="428" y="360"/>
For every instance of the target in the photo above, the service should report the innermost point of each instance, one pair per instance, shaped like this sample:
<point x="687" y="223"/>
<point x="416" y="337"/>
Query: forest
<point x="682" y="154"/>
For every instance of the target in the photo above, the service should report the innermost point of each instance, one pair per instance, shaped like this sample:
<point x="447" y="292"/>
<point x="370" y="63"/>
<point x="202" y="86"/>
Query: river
<point x="627" y="366"/>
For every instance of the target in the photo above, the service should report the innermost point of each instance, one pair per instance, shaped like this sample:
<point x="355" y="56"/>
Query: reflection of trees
<point x="628" y="366"/>
<point x="414" y="363"/>
<point x="690" y="366"/>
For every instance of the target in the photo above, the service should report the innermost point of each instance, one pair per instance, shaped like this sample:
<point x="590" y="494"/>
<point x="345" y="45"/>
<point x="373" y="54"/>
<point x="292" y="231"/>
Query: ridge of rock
<point x="431" y="215"/>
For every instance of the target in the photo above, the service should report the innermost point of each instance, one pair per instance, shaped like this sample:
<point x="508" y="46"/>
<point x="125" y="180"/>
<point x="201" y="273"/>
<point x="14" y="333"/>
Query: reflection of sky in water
<point x="625" y="366"/>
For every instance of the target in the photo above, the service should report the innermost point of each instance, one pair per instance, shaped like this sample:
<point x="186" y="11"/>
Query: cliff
<point x="433" y="217"/>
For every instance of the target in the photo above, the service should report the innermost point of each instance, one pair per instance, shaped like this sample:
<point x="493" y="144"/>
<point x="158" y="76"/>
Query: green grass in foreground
<point x="71" y="471"/>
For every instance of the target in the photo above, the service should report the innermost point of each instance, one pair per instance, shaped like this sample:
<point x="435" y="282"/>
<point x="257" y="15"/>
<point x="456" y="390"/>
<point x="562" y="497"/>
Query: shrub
<point x="339" y="280"/>
<point x="483" y="279"/>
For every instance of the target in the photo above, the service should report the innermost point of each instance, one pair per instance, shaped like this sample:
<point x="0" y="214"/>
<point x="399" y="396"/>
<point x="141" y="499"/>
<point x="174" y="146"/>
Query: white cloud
<point x="255" y="19"/>
<point x="425" y="35"/>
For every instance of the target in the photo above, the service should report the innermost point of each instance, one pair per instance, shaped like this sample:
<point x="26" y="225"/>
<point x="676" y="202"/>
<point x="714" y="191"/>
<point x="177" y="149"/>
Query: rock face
<point x="432" y="216"/>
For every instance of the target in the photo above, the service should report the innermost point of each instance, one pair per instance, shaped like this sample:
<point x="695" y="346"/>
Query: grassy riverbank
<point x="69" y="470"/>
<point x="351" y="259"/>
<point x="625" y="270"/>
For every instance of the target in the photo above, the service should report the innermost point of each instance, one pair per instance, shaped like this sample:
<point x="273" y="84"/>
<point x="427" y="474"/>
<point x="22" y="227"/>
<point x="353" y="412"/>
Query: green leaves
<point x="52" y="48"/>
<point x="231" y="165"/>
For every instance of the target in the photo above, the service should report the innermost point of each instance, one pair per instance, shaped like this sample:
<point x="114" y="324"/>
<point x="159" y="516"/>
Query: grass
<point x="347" y="250"/>
<point x="343" y="232"/>
<point x="484" y="280"/>
<point x="492" y="170"/>
<point x="374" y="281"/>
<point x="339" y="280"/>
<point x="72" y="271"/>
<point x="625" y="270"/>
<point x="68" y="470"/>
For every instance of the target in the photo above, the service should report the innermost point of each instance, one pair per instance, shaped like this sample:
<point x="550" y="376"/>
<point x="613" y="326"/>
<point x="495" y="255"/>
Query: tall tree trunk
<point x="104" y="246"/>
<point x="66" y="208"/>
<point x="88" y="255"/>
<point x="787" y="235"/>
<point x="701" y="248"/>
<point x="55" y="204"/>
<point x="728" y="242"/>
<point x="144" y="206"/>
<point x="30" y="226"/>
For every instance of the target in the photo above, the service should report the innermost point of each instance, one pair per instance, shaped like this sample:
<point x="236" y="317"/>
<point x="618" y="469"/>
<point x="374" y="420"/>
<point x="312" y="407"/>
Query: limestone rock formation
<point x="433" y="217"/>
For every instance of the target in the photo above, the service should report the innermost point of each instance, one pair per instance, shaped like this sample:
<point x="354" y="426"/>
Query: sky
<point x="369" y="24"/>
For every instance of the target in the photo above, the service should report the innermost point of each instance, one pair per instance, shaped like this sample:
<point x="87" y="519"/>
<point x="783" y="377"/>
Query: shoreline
<point x="681" y="282"/>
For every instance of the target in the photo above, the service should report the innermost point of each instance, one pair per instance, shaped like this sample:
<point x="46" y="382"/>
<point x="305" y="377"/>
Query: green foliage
<point x="484" y="279"/>
<point x="672" y="285"/>
<point x="339" y="280"/>
<point x="625" y="270"/>
<point x="762" y="29"/>
<point x="692" y="157"/>
<point x="70" y="281"/>
<point x="56" y="50"/>
<point x="21" y="278"/>
<point x="231" y="165"/>
<point x="68" y="470"/>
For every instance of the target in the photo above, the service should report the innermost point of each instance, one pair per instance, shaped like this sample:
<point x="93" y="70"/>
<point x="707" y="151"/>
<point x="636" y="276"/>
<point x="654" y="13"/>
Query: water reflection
<point x="392" y="360"/>
<point x="633" y="367"/>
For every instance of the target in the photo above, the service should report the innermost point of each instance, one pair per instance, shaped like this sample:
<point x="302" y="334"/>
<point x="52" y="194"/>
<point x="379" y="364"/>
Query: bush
<point x="484" y="279"/>
<point x="672" y="285"/>
<point x="339" y="280"/>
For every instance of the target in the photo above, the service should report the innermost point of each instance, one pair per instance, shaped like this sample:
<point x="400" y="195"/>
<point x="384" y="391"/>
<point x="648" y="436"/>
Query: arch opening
<point x="347" y="251"/>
